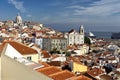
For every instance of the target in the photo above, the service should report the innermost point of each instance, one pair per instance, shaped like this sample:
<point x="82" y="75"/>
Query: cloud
<point x="99" y="8"/>
<point x="45" y="18"/>
<point x="18" y="5"/>
<point x="76" y="7"/>
<point x="29" y="15"/>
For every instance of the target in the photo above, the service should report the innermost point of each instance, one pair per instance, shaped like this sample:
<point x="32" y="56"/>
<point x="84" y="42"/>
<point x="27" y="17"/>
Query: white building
<point x="1" y="23"/>
<point x="39" y="41"/>
<point x="9" y="23"/>
<point x="74" y="37"/>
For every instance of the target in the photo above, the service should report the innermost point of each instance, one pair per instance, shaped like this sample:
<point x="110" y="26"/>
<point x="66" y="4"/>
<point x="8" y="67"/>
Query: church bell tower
<point x="81" y="30"/>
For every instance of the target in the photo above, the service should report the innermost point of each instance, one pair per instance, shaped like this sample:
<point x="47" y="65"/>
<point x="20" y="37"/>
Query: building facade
<point x="39" y="42"/>
<point x="74" y="37"/>
<point x="58" y="43"/>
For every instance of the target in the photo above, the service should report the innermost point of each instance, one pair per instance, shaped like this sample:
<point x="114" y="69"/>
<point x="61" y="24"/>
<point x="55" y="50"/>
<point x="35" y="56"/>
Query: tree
<point x="68" y="54"/>
<point x="54" y="50"/>
<point x="87" y="40"/>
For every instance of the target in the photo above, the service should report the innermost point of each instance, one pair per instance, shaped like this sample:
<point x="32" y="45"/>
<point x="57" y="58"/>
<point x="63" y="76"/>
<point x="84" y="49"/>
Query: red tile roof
<point x="72" y="47"/>
<point x="74" y="59"/>
<point x="62" y="75"/>
<point x="54" y="63"/>
<point x="1" y="48"/>
<point x="24" y="50"/>
<point x="118" y="66"/>
<point x="95" y="72"/>
<point x="49" y="70"/>
<point x="57" y="37"/>
<point x="45" y="64"/>
<point x="45" y="54"/>
<point x="54" y="56"/>
<point x="81" y="77"/>
<point x="105" y="77"/>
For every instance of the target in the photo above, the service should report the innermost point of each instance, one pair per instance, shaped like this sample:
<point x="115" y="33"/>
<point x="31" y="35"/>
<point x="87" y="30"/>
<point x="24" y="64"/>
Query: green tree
<point x="55" y="51"/>
<point x="87" y="40"/>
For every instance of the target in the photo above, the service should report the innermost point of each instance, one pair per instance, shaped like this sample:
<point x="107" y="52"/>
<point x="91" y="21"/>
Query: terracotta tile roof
<point x="54" y="63"/>
<point x="62" y="75"/>
<point x="95" y="72"/>
<point x="80" y="57"/>
<point x="88" y="57"/>
<point x="105" y="77"/>
<point x="81" y="77"/>
<point x="72" y="47"/>
<point x="74" y="59"/>
<point x="45" y="64"/>
<point x="118" y="66"/>
<point x="57" y="37"/>
<point x="1" y="48"/>
<point x="45" y="54"/>
<point x="65" y="63"/>
<point x="111" y="58"/>
<point x="49" y="70"/>
<point x="24" y="50"/>
<point x="117" y="72"/>
<point x="54" y="56"/>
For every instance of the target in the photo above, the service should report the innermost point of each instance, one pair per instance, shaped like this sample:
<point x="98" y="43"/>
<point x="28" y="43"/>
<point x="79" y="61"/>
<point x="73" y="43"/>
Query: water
<point x="101" y="34"/>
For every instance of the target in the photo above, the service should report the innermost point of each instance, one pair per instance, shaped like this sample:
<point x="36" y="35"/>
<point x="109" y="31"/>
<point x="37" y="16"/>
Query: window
<point x="29" y="58"/>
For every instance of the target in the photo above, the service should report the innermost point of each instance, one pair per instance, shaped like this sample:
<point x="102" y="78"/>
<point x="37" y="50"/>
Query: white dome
<point x="18" y="19"/>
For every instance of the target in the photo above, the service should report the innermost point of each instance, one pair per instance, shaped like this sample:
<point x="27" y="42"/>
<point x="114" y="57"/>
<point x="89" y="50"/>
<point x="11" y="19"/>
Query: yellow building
<point x="77" y="67"/>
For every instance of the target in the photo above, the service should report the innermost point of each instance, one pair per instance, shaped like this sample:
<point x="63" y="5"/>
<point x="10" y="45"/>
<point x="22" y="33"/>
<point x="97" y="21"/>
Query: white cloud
<point x="29" y="15"/>
<point x="99" y="8"/>
<point x="76" y="7"/>
<point x="18" y="5"/>
<point x="45" y="18"/>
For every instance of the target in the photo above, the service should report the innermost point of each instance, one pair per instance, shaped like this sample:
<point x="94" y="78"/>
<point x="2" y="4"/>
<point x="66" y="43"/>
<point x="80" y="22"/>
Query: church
<point x="74" y="37"/>
<point x="18" y="19"/>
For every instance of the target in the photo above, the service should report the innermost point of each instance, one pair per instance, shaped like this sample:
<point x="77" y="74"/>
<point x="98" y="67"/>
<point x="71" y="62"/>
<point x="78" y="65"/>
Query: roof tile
<point x="62" y="75"/>
<point x="20" y="47"/>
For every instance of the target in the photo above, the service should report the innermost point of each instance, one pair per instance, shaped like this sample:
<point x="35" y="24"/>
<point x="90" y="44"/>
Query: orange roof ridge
<point x="49" y="70"/>
<point x="81" y="77"/>
<point x="23" y="49"/>
<point x="61" y="72"/>
<point x="45" y="68"/>
<point x="62" y="75"/>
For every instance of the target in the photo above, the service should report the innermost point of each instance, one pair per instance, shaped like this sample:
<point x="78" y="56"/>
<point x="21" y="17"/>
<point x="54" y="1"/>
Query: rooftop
<point x="49" y="70"/>
<point x="45" y="54"/>
<point x="62" y="75"/>
<point x="95" y="72"/>
<point x="23" y="49"/>
<point x="106" y="77"/>
<point x="81" y="77"/>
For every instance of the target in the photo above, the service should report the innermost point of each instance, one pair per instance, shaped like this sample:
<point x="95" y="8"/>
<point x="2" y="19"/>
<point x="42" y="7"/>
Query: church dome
<point x="18" y="19"/>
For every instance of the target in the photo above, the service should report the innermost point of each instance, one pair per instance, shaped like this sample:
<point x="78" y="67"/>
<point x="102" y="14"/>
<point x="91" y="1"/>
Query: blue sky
<point x="95" y="15"/>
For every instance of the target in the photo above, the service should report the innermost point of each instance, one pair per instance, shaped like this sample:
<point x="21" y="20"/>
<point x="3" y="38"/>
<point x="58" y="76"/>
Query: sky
<point x="95" y="15"/>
